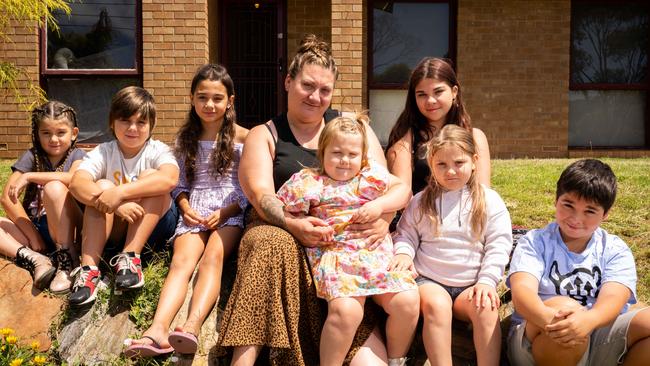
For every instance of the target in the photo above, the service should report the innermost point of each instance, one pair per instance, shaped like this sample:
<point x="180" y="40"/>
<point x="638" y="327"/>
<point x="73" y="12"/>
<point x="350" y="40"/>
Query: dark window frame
<point x="136" y="73"/>
<point x="645" y="86"/>
<point x="67" y="73"/>
<point x="453" y="21"/>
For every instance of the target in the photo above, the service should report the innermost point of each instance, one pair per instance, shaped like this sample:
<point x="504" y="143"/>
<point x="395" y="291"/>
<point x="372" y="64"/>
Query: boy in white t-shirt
<point x="125" y="185"/>
<point x="572" y="282"/>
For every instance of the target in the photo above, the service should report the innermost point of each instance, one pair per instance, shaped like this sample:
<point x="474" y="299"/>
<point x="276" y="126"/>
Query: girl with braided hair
<point x="48" y="217"/>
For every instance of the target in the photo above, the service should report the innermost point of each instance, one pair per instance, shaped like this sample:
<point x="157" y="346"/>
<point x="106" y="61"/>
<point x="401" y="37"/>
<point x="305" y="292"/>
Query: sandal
<point x="183" y="342"/>
<point x="146" y="350"/>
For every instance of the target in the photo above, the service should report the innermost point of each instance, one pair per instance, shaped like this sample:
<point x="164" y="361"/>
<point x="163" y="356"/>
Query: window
<point x="96" y="52"/>
<point x="401" y="33"/>
<point x="608" y="97"/>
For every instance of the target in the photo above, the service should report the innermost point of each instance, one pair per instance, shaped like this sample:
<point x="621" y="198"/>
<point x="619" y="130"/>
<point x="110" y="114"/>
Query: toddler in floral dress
<point x="348" y="188"/>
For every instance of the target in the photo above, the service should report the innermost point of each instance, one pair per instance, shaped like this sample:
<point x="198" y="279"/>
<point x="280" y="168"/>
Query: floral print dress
<point x="347" y="268"/>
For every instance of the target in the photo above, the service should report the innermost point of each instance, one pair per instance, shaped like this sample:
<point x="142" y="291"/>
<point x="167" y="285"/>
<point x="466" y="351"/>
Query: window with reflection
<point x="96" y="52"/>
<point x="100" y="34"/>
<point x="400" y="34"/>
<point x="608" y="97"/>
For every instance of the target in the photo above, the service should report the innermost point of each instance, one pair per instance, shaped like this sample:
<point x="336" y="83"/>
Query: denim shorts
<point x="607" y="345"/>
<point x="40" y="222"/>
<point x="454" y="292"/>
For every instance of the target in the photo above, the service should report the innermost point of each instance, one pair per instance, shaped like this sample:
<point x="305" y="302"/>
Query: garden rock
<point x="24" y="308"/>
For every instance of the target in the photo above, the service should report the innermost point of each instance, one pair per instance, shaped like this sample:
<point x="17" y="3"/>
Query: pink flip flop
<point x="183" y="342"/>
<point x="146" y="350"/>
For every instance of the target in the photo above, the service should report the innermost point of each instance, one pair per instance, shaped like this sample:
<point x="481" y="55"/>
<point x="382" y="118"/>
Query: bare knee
<point x="55" y="190"/>
<point x="436" y="309"/>
<point x="562" y="302"/>
<point x="405" y="303"/>
<point x="211" y="261"/>
<point x="105" y="184"/>
<point x="344" y="315"/>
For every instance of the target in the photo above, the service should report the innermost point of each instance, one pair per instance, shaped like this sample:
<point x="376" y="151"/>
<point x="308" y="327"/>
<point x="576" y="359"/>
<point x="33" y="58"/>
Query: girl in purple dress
<point x="208" y="149"/>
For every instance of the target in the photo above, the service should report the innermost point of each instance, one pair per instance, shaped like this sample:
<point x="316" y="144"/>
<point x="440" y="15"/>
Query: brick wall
<point x="513" y="65"/>
<point x="305" y="17"/>
<point x="175" y="44"/>
<point x="21" y="48"/>
<point x="348" y="35"/>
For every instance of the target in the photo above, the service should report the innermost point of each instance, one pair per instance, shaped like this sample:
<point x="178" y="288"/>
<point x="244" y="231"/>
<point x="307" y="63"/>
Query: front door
<point x="252" y="49"/>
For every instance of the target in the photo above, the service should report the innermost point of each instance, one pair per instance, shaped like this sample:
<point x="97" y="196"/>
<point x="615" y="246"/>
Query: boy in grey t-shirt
<point x="572" y="282"/>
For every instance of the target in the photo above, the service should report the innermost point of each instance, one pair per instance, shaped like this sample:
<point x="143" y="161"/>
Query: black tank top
<point x="290" y="156"/>
<point x="421" y="173"/>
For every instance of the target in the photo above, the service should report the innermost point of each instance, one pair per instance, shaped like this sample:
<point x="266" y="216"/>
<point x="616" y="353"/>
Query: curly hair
<point x="187" y="139"/>
<point x="54" y="110"/>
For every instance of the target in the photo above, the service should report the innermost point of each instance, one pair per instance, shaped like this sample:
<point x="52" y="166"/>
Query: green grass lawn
<point x="528" y="188"/>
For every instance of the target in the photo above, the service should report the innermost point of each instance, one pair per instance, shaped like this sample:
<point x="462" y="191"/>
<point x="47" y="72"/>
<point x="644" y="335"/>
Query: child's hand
<point x="109" y="200"/>
<point x="369" y="212"/>
<point x="373" y="232"/>
<point x="192" y="218"/>
<point x="570" y="326"/>
<point x="484" y="296"/>
<point x="401" y="262"/>
<point x="18" y="187"/>
<point x="130" y="212"/>
<point x="213" y="220"/>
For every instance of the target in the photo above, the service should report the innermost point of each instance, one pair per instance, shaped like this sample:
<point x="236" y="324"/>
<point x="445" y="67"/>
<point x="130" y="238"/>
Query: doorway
<point x="253" y="49"/>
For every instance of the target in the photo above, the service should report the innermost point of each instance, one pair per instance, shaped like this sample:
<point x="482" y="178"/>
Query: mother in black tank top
<point x="273" y="302"/>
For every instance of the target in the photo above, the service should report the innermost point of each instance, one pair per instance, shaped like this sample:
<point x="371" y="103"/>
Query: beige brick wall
<point x="21" y="48"/>
<point x="305" y="17"/>
<point x="513" y="65"/>
<point x="175" y="44"/>
<point x="348" y="35"/>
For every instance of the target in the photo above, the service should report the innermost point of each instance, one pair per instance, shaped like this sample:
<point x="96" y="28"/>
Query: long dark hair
<point x="412" y="119"/>
<point x="54" y="110"/>
<point x="187" y="139"/>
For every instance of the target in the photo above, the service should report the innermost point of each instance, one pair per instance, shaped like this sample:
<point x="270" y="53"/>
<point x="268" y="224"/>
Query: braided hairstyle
<point x="187" y="139"/>
<point x="54" y="110"/>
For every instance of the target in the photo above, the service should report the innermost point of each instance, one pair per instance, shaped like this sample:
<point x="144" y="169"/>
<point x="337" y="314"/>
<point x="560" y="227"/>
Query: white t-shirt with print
<point x="107" y="162"/>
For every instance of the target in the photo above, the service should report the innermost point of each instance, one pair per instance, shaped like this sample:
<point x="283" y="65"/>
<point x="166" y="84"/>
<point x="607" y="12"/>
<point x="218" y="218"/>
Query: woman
<point x="273" y="302"/>
<point x="434" y="99"/>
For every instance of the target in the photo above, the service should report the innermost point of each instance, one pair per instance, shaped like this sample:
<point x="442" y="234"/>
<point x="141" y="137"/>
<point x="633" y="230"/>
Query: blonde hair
<point x="343" y="125"/>
<point x="453" y="135"/>
<point x="313" y="51"/>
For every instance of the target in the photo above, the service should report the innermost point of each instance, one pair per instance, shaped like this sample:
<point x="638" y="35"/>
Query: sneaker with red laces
<point x="128" y="271"/>
<point x="84" y="289"/>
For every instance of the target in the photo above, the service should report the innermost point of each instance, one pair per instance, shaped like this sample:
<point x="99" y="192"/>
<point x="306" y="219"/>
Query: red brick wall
<point x="513" y="65"/>
<point x="175" y="44"/>
<point x="21" y="48"/>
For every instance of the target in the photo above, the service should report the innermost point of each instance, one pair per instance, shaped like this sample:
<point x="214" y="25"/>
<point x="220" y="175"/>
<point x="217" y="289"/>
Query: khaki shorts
<point x="607" y="345"/>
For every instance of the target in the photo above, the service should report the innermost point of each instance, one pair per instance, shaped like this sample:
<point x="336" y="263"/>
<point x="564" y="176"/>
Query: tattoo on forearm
<point x="272" y="208"/>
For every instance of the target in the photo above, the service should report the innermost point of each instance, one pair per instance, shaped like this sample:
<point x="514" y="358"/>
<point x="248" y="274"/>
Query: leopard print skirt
<point x="273" y="301"/>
